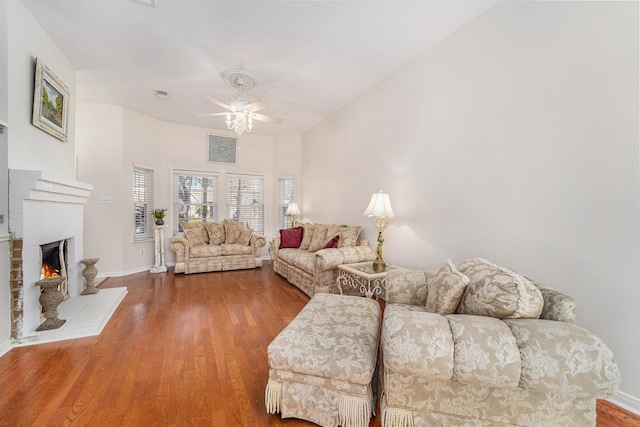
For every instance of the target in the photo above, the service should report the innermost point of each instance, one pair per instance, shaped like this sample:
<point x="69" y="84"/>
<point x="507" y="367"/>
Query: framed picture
<point x="50" y="102"/>
<point x="221" y="149"/>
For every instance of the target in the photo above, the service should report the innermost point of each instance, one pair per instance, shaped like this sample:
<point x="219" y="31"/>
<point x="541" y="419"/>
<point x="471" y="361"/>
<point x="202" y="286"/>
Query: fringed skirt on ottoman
<point x="322" y="364"/>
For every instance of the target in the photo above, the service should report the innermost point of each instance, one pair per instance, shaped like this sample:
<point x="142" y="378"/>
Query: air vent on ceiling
<point x="150" y="3"/>
<point x="161" y="94"/>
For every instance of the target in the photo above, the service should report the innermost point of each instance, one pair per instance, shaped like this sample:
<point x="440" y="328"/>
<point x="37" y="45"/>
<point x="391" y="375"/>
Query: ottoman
<point x="322" y="364"/>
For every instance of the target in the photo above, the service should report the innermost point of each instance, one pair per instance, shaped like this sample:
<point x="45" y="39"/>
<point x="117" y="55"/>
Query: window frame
<point x="257" y="223"/>
<point x="176" y="202"/>
<point x="144" y="197"/>
<point x="285" y="196"/>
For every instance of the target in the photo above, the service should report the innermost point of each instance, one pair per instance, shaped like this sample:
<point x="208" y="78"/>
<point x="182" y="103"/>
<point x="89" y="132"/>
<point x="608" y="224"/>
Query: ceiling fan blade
<point x="215" y="101"/>
<point x="211" y="114"/>
<point x="256" y="105"/>
<point x="264" y="118"/>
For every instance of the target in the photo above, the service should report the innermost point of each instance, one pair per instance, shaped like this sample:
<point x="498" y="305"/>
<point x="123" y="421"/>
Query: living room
<point x="514" y="138"/>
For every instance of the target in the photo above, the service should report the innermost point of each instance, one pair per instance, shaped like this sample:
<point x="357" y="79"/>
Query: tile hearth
<point x="85" y="316"/>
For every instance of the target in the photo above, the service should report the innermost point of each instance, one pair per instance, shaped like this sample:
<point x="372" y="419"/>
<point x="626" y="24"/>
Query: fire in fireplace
<point x="54" y="263"/>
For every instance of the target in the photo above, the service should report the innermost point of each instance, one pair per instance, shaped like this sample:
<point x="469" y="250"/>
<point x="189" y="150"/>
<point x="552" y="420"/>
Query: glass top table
<point x="361" y="277"/>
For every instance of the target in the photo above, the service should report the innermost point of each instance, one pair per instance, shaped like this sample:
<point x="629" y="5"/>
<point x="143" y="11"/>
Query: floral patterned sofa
<point x="216" y="246"/>
<point x="481" y="345"/>
<point x="310" y="259"/>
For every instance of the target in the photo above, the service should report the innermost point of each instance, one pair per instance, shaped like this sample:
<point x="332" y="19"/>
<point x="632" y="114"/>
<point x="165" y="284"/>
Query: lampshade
<point x="379" y="206"/>
<point x="293" y="209"/>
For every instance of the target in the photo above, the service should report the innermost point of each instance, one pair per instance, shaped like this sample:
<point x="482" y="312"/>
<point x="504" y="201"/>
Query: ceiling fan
<point x="241" y="112"/>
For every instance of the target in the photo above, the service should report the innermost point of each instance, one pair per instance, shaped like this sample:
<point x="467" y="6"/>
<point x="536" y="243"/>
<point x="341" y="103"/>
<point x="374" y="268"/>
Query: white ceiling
<point x="311" y="57"/>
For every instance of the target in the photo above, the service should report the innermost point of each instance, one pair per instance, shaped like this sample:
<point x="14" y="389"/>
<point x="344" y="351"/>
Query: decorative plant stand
<point x="159" y="265"/>
<point x="50" y="298"/>
<point x="89" y="273"/>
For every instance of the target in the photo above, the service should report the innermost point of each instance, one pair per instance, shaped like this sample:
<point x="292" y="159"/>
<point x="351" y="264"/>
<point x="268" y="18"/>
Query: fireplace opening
<point x="54" y="264"/>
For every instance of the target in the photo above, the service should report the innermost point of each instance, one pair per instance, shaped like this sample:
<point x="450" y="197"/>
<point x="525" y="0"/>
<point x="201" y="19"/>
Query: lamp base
<point x="379" y="266"/>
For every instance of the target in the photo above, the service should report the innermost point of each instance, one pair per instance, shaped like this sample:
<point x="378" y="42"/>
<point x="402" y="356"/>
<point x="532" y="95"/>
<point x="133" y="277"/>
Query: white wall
<point x="514" y="139"/>
<point x="29" y="147"/>
<point x="5" y="305"/>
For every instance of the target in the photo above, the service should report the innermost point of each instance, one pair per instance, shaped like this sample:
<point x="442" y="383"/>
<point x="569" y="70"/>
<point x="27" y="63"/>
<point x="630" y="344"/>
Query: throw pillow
<point x="245" y="237"/>
<point x="215" y="230"/>
<point x="194" y="236"/>
<point x="232" y="231"/>
<point x="333" y="243"/>
<point x="349" y="237"/>
<point x="319" y="238"/>
<point x="197" y="228"/>
<point x="446" y="290"/>
<point x="498" y="292"/>
<point x="291" y="237"/>
<point x="307" y="235"/>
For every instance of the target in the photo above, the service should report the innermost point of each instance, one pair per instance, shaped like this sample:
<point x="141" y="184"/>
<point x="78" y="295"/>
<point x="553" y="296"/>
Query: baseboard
<point x="626" y="401"/>
<point x="5" y="347"/>
<point x="103" y="274"/>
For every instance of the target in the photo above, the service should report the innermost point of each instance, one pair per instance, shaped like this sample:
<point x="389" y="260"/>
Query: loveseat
<point x="308" y="255"/>
<point x="481" y="345"/>
<point x="216" y="246"/>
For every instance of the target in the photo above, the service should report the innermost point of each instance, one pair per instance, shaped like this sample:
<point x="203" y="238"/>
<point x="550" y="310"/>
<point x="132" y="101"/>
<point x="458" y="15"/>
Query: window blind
<point x="285" y="197"/>
<point x="245" y="200"/>
<point x="195" y="197"/>
<point x="142" y="203"/>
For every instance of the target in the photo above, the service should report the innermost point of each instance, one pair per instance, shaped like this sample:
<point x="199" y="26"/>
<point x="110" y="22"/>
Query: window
<point x="245" y="200"/>
<point x="142" y="202"/>
<point x="195" y="197"/>
<point x="285" y="197"/>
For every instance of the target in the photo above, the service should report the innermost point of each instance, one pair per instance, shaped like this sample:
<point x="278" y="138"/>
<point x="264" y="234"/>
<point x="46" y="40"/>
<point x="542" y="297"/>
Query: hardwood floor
<point x="179" y="351"/>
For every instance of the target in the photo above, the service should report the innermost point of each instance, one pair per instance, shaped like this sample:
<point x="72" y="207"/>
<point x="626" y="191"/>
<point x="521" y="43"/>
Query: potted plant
<point x="159" y="214"/>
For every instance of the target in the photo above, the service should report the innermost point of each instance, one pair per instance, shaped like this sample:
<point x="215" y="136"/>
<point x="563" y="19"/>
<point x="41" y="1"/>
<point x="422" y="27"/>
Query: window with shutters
<point x="195" y="197"/>
<point x="142" y="203"/>
<point x="285" y="197"/>
<point x="245" y="200"/>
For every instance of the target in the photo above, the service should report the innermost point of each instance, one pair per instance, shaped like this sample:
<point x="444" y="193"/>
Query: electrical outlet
<point x="141" y="251"/>
<point x="104" y="200"/>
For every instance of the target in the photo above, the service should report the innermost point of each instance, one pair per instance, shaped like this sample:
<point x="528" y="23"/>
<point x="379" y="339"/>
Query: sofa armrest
<point x="329" y="259"/>
<point x="557" y="306"/>
<point x="257" y="242"/>
<point x="180" y="245"/>
<point x="408" y="286"/>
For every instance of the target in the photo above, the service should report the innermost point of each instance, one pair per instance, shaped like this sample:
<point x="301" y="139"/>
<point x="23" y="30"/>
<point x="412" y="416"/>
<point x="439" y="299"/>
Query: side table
<point x="159" y="266"/>
<point x="361" y="276"/>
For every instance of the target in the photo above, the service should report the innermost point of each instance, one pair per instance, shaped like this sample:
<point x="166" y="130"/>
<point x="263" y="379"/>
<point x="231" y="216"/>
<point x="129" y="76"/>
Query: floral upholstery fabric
<point x="557" y="306"/>
<point x="315" y="272"/>
<point x="498" y="292"/>
<point x="349" y="236"/>
<point x="215" y="231"/>
<point x="319" y="238"/>
<point x="462" y="369"/>
<point x="232" y="231"/>
<point x="205" y="258"/>
<point x="407" y="286"/>
<point x="446" y="289"/>
<point x="307" y="235"/>
<point x="195" y="232"/>
<point x="245" y="237"/>
<point x="321" y="365"/>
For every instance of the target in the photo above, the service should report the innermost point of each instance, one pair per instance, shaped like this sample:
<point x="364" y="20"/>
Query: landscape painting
<point x="50" y="100"/>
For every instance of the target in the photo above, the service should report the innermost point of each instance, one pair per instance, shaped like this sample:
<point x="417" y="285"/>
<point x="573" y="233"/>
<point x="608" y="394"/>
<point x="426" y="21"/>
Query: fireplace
<point x="54" y="264"/>
<point x="46" y="214"/>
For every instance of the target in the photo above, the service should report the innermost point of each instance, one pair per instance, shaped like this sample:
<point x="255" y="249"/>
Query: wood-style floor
<point x="179" y="351"/>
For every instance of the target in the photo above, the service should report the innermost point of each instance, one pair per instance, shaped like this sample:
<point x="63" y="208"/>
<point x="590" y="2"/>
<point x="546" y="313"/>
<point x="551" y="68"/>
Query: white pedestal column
<point x="159" y="266"/>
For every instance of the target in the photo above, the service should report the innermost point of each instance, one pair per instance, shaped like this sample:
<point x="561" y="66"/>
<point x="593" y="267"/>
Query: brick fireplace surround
<point x="43" y="208"/>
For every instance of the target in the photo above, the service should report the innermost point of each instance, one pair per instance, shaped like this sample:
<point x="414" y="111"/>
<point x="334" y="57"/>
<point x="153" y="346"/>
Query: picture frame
<point x="50" y="102"/>
<point x="222" y="149"/>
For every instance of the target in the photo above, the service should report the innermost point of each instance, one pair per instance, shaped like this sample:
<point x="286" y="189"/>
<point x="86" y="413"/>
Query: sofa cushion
<point x="195" y="232"/>
<point x="307" y="235"/>
<point x="215" y="230"/>
<point x="486" y="353"/>
<point x="291" y="237"/>
<point x="446" y="289"/>
<point x="319" y="238"/>
<point x="235" y="249"/>
<point x="498" y="292"/>
<point x="205" y="251"/>
<point x="232" y="230"/>
<point x="245" y="237"/>
<point x="298" y="258"/>
<point x="349" y="236"/>
<point x="333" y="243"/>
